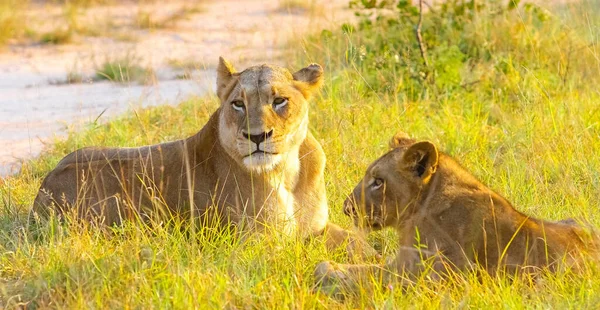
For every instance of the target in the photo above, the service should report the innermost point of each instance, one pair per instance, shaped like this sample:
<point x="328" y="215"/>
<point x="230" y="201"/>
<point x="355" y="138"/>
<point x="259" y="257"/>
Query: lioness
<point x="255" y="161"/>
<point x="444" y="215"/>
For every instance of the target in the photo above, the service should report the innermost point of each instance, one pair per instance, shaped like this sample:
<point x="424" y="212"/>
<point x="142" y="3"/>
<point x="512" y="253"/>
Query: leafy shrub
<point x="468" y="45"/>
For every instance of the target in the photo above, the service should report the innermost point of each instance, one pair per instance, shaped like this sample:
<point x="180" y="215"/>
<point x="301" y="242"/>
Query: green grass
<point x="124" y="69"/>
<point x="497" y="95"/>
<point x="57" y="36"/>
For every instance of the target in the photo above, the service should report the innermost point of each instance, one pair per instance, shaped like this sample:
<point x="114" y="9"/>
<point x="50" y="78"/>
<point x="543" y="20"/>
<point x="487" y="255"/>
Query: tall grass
<point x="20" y="20"/>
<point x="511" y="93"/>
<point x="312" y="7"/>
<point x="12" y="21"/>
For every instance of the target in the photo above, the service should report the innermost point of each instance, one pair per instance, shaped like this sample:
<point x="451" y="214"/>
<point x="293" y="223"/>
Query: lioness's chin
<point x="262" y="162"/>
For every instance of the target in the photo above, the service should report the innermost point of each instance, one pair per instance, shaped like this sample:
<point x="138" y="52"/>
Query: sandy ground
<point x="35" y="105"/>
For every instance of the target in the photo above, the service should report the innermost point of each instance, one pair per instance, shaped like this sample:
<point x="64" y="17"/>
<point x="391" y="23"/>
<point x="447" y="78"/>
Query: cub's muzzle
<point x="350" y="207"/>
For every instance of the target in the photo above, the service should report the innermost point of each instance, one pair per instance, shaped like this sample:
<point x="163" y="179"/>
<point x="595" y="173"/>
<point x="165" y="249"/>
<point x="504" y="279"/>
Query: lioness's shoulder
<point x="312" y="157"/>
<point x="311" y="150"/>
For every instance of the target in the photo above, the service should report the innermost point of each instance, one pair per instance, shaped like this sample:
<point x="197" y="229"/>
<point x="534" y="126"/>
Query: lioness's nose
<point x="259" y="137"/>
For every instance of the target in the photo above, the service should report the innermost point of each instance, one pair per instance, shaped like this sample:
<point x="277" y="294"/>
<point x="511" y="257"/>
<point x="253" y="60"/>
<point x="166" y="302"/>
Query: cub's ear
<point x="420" y="160"/>
<point x="225" y="72"/>
<point x="308" y="80"/>
<point x="401" y="139"/>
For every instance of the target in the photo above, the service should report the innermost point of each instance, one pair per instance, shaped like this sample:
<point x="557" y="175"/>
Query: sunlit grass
<point x="148" y="18"/>
<point x="12" y="23"/>
<point x="312" y="7"/>
<point x="36" y="21"/>
<point x="511" y="114"/>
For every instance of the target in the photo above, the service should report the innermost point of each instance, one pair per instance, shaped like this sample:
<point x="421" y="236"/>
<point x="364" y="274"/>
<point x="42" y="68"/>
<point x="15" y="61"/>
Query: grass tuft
<point x="300" y="7"/>
<point x="58" y="36"/>
<point x="124" y="69"/>
<point x="148" y="19"/>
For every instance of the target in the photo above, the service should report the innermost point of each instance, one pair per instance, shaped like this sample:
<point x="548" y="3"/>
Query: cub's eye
<point x="279" y="102"/>
<point x="377" y="183"/>
<point x="238" y="105"/>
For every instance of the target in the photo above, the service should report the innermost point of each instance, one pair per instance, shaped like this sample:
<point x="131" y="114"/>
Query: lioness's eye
<point x="377" y="183"/>
<point x="279" y="102"/>
<point x="238" y="105"/>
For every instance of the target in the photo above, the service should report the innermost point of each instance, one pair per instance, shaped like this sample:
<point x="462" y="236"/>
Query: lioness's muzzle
<point x="258" y="138"/>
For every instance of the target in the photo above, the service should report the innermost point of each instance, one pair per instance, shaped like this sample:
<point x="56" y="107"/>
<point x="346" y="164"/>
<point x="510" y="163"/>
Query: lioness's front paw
<point x="331" y="279"/>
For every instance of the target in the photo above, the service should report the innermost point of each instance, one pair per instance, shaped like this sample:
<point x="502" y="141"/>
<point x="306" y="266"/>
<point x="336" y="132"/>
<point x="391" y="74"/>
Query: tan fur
<point x="458" y="222"/>
<point x="212" y="175"/>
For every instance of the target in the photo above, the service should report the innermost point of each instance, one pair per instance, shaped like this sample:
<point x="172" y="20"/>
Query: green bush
<point x="465" y="46"/>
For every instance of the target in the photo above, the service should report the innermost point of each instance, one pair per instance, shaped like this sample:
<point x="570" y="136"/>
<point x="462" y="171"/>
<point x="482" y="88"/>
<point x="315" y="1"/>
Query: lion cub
<point x="446" y="216"/>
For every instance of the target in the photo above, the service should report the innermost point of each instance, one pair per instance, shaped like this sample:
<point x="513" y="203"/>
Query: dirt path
<point x="36" y="105"/>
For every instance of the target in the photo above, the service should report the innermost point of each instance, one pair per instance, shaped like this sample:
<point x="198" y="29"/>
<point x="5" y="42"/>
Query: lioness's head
<point x="392" y="184"/>
<point x="264" y="111"/>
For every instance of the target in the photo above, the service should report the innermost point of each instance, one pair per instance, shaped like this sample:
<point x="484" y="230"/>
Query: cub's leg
<point x="356" y="246"/>
<point x="341" y="279"/>
<point x="338" y="280"/>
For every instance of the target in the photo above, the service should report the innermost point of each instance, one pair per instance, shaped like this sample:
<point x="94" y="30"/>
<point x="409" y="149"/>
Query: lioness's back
<point x="91" y="180"/>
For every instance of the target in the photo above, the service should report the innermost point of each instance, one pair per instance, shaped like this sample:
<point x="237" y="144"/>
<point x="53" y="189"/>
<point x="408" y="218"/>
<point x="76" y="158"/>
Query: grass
<point x="124" y="69"/>
<point x="72" y="15"/>
<point x="16" y="25"/>
<point x="12" y="24"/>
<point x="148" y="19"/>
<point x="23" y="21"/>
<point x="300" y="6"/>
<point x="184" y="67"/>
<point x="85" y="3"/>
<point x="57" y="36"/>
<point x="73" y="76"/>
<point x="184" y="64"/>
<point x="512" y="94"/>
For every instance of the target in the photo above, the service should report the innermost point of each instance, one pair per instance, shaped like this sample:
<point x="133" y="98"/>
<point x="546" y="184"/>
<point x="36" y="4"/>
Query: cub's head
<point x="264" y="111"/>
<point x="387" y="193"/>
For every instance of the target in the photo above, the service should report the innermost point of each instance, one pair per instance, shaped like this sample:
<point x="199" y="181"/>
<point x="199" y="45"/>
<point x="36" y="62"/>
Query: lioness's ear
<point x="401" y="139"/>
<point x="225" y="73"/>
<point x="309" y="79"/>
<point x="420" y="159"/>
